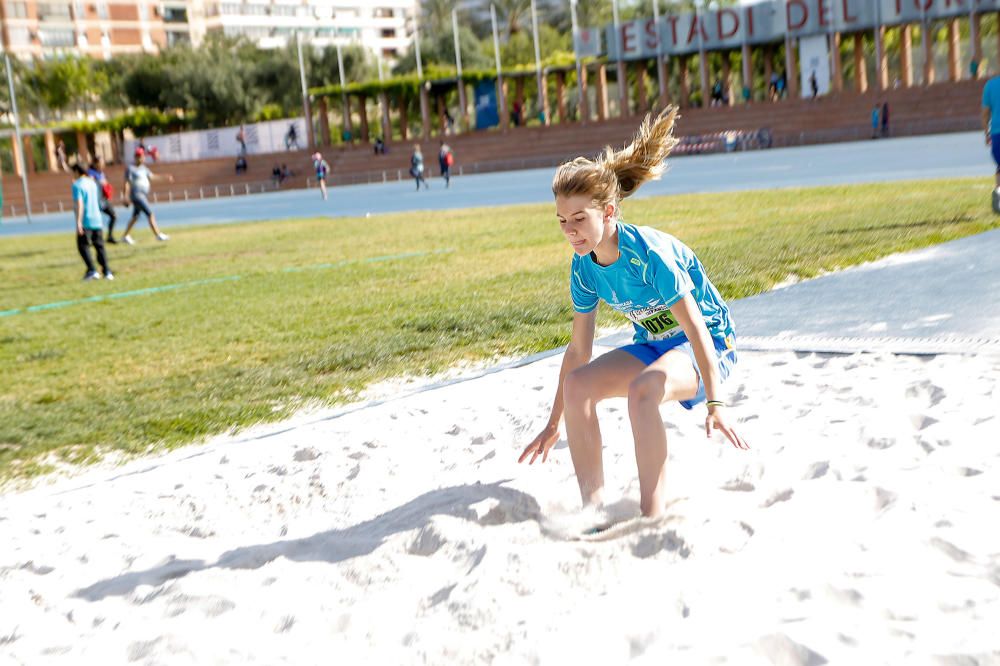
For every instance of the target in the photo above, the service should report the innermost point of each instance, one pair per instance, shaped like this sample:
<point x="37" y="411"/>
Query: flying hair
<point x="616" y="174"/>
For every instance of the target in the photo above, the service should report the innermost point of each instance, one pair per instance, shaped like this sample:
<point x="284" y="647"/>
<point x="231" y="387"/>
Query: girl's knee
<point x="576" y="387"/>
<point x="647" y="387"/>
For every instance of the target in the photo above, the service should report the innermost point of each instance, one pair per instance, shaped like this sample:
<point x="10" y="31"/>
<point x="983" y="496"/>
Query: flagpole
<point x="305" y="93"/>
<point x="458" y="64"/>
<point x="659" y="47"/>
<point x="622" y="74"/>
<point x="343" y="91"/>
<point x="582" y="104"/>
<point x="501" y="97"/>
<point x="538" y="66"/>
<point x="17" y="137"/>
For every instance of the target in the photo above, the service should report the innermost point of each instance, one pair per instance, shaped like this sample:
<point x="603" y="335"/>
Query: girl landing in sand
<point x="684" y="339"/>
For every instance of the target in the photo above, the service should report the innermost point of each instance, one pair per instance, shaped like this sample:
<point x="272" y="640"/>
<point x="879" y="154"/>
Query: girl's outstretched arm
<point x="688" y="315"/>
<point x="579" y="351"/>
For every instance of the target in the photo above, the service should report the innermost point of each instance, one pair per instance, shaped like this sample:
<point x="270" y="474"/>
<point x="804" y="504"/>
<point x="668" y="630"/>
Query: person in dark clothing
<point x="814" y="84"/>
<point x="445" y="160"/>
<point x="96" y="171"/>
<point x="417" y="168"/>
<point x="885" y="119"/>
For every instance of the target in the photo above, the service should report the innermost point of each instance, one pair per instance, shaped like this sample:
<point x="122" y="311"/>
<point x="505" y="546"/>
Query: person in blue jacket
<point x="684" y="340"/>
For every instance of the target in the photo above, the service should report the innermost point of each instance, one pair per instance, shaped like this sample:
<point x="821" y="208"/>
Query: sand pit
<point x="861" y="528"/>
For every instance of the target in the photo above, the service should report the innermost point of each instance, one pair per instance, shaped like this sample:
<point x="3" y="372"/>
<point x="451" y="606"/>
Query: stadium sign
<point x="771" y="21"/>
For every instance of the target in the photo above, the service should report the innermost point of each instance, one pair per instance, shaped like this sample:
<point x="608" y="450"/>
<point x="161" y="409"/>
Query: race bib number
<point x="658" y="322"/>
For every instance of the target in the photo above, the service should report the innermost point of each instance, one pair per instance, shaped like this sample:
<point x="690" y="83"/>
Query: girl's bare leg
<point x="670" y="377"/>
<point x="605" y="377"/>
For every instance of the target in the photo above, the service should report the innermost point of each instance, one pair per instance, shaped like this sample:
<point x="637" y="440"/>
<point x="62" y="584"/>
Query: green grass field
<point x="263" y="318"/>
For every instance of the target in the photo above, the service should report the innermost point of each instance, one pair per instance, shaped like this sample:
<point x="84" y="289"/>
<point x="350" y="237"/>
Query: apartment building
<point x="104" y="29"/>
<point x="98" y="28"/>
<point x="382" y="26"/>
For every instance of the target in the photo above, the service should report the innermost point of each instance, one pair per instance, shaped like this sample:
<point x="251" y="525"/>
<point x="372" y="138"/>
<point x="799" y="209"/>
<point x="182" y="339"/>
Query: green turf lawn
<point x="167" y="368"/>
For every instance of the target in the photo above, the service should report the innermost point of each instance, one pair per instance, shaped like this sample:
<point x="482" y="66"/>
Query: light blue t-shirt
<point x="85" y="189"/>
<point x="991" y="100"/>
<point x="138" y="176"/>
<point x="653" y="272"/>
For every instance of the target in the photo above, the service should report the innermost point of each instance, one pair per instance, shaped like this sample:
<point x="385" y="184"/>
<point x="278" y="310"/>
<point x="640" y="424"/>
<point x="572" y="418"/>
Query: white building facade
<point x="104" y="29"/>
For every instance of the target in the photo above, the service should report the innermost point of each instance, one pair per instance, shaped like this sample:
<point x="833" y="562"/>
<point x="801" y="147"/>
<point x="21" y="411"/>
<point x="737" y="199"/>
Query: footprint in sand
<point x="926" y="393"/>
<point x="780" y="649"/>
<point x="817" y="470"/>
<point x="653" y="544"/>
<point x="884" y="499"/>
<point x="781" y="496"/>
<point x="739" y="485"/>
<point x="951" y="550"/>
<point x="304" y="455"/>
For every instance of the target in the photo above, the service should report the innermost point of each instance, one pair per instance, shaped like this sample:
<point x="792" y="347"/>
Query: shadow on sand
<point x="339" y="545"/>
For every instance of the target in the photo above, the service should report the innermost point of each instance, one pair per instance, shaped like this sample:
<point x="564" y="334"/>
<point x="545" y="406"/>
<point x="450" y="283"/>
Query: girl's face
<point x="584" y="224"/>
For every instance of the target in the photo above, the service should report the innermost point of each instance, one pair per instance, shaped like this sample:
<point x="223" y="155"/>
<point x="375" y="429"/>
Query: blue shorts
<point x="140" y="204"/>
<point x="725" y="356"/>
<point x="995" y="149"/>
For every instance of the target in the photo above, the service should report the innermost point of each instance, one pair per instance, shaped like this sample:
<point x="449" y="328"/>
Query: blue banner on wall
<point x="487" y="114"/>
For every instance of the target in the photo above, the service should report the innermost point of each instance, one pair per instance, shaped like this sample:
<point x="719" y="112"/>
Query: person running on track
<point x="684" y="341"/>
<point x="322" y="169"/>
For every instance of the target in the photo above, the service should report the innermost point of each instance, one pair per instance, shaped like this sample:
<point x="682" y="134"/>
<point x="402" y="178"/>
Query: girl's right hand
<point x="541" y="444"/>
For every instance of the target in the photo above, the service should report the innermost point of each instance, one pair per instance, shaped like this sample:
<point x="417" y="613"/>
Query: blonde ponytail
<point x="618" y="174"/>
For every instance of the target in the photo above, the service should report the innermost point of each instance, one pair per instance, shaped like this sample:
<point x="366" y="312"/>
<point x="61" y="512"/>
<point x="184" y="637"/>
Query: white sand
<point x="863" y="528"/>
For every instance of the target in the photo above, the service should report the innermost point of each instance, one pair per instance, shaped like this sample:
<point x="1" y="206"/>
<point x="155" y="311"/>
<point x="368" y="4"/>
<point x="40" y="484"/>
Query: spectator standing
<point x="276" y="175"/>
<point x="813" y="84"/>
<point x="885" y="119"/>
<point x="89" y="224"/>
<point x="875" y="115"/>
<point x="137" y="181"/>
<point x="292" y="137"/>
<point x="106" y="198"/>
<point x="61" y="156"/>
<point x="445" y="159"/>
<point x="772" y="87"/>
<point x="241" y="138"/>
<point x="322" y="169"/>
<point x="990" y="113"/>
<point x="417" y="167"/>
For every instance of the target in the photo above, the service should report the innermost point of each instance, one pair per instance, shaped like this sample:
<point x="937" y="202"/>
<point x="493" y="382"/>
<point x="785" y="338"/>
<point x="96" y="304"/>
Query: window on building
<point x="17" y="10"/>
<point x="175" y="15"/>
<point x="19" y="36"/>
<point x="56" y="38"/>
<point x="388" y="33"/>
<point x="283" y="10"/>
<point x="102" y="10"/>
<point x="54" y="11"/>
<point x="383" y="12"/>
<point x="175" y="38"/>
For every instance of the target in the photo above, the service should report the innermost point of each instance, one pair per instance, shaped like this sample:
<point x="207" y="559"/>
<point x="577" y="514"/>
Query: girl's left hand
<point x="716" y="419"/>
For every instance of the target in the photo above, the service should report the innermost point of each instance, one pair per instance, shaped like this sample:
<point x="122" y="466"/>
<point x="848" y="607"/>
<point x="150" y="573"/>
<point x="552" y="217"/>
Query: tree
<point x="439" y="49"/>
